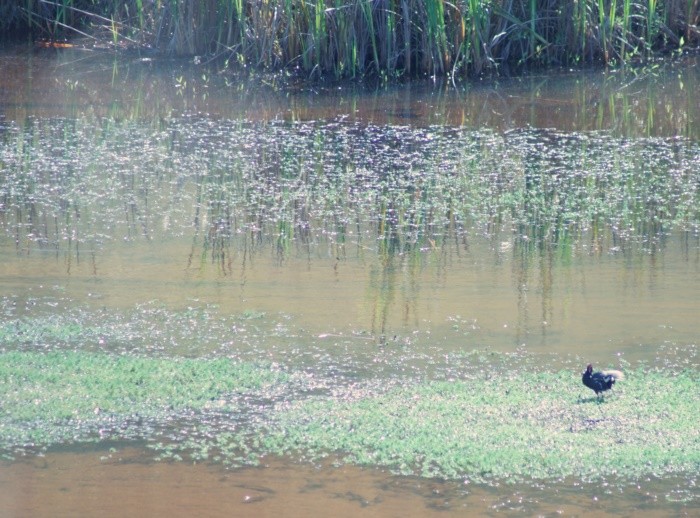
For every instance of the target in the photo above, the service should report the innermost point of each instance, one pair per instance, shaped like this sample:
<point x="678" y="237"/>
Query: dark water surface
<point x="556" y="215"/>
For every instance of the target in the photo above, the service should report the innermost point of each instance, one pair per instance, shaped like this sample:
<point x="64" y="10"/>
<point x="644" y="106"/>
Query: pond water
<point x="111" y="484"/>
<point x="359" y="236"/>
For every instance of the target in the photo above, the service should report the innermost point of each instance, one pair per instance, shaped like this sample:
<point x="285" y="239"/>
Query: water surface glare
<point x="351" y="242"/>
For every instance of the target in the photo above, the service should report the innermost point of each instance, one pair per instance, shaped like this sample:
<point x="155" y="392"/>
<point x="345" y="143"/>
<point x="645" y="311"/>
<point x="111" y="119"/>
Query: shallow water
<point x="358" y="234"/>
<point x="119" y="482"/>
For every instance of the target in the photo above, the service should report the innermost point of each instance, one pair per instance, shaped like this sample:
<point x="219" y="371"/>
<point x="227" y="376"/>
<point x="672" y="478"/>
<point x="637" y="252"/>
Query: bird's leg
<point x="600" y="401"/>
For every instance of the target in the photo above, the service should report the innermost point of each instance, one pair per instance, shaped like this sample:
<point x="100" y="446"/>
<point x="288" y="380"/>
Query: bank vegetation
<point x="360" y="38"/>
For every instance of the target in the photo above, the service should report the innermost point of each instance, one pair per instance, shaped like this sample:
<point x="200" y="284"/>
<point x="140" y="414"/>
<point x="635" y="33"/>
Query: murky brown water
<point x="119" y="483"/>
<point x="484" y="297"/>
<point x="599" y="302"/>
<point x="655" y="100"/>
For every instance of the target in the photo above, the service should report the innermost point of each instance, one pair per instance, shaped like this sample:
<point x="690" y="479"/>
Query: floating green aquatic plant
<point x="48" y="329"/>
<point x="148" y="329"/>
<point x="54" y="397"/>
<point x="507" y="425"/>
<point x="524" y="426"/>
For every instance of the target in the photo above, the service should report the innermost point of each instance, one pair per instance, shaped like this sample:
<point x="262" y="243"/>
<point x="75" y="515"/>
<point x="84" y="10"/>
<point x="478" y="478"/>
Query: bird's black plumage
<point x="599" y="382"/>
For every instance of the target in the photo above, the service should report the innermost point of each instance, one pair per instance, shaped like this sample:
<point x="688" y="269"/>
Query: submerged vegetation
<point x="357" y="38"/>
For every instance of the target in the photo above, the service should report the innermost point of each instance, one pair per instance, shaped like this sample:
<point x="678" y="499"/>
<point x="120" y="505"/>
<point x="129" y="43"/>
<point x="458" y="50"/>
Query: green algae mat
<point x="493" y="424"/>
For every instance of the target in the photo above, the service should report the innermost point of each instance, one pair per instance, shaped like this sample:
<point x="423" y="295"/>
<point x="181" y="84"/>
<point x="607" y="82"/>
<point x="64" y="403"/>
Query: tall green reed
<point x="350" y="38"/>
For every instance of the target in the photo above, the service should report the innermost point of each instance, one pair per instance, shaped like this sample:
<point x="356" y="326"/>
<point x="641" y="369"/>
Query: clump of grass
<point x="495" y="424"/>
<point x="518" y="427"/>
<point x="49" y="329"/>
<point x="48" y="398"/>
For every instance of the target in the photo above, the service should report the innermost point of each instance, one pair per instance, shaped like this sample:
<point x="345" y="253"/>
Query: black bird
<point x="599" y="382"/>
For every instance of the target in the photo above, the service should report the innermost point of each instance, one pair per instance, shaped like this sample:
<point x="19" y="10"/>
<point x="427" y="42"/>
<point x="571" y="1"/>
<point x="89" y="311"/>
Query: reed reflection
<point x="652" y="100"/>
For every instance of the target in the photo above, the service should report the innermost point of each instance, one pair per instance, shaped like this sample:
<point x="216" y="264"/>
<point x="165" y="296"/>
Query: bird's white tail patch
<point x="618" y="375"/>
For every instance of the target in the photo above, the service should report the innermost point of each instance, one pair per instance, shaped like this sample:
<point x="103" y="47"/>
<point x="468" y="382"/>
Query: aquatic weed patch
<point x="152" y="329"/>
<point x="519" y="427"/>
<point x="49" y="398"/>
<point x="492" y="424"/>
<point x="237" y="188"/>
<point x="49" y="329"/>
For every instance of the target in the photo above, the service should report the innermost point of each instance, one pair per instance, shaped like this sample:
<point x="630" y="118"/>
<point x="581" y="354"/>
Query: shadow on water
<point x="357" y="239"/>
